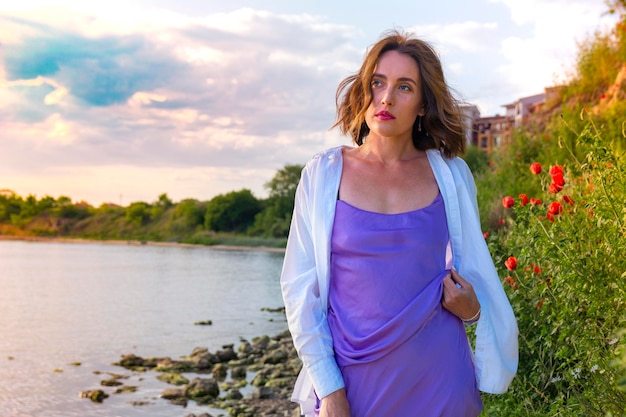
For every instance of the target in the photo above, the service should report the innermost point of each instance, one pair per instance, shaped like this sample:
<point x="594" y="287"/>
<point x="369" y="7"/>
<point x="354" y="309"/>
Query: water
<point x="64" y="303"/>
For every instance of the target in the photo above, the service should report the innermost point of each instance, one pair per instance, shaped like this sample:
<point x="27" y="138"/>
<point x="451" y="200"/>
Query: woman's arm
<point x="459" y="298"/>
<point x="301" y="293"/>
<point x="335" y="405"/>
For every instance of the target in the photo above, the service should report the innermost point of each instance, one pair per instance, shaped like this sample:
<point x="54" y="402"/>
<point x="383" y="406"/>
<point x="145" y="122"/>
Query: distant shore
<point x="139" y="243"/>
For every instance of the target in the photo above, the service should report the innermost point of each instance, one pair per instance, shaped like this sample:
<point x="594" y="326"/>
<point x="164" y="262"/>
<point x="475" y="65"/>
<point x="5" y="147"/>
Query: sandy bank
<point x="139" y="243"/>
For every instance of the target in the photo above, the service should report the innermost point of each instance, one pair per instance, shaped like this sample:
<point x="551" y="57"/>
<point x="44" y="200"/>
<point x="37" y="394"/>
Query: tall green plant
<point x="568" y="288"/>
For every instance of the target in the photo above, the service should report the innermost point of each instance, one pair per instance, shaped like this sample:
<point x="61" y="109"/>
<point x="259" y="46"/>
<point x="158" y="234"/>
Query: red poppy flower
<point x="556" y="169"/>
<point x="523" y="199"/>
<point x="486" y="235"/>
<point x="537" y="270"/>
<point x="501" y="221"/>
<point x="535" y="168"/>
<point x="511" y="281"/>
<point x="568" y="200"/>
<point x="554" y="188"/>
<point x="508" y="202"/>
<point x="555" y="208"/>
<point x="558" y="179"/>
<point x="511" y="263"/>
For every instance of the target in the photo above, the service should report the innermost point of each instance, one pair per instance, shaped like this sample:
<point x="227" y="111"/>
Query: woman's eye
<point x="376" y="83"/>
<point x="405" y="87"/>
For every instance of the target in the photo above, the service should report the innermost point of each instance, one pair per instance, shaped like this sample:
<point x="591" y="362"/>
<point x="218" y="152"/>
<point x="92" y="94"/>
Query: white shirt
<point x="306" y="273"/>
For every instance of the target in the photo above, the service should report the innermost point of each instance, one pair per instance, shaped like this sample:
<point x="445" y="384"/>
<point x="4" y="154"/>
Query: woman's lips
<point x="385" y="115"/>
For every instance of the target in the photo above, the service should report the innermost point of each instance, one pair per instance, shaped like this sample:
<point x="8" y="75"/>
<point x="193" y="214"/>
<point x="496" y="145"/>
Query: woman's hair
<point x="442" y="124"/>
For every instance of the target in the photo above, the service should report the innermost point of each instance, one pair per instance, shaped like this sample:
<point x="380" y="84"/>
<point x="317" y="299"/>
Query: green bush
<point x="569" y="288"/>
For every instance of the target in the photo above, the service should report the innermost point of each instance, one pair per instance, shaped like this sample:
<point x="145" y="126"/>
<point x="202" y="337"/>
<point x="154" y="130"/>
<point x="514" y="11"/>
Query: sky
<point x="122" y="101"/>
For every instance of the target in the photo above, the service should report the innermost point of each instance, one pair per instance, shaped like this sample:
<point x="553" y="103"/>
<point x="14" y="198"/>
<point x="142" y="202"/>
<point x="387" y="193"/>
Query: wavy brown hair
<point x="442" y="124"/>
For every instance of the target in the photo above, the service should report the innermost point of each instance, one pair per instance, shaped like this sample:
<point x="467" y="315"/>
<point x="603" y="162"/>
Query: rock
<point x="112" y="382"/>
<point x="204" y="323"/>
<point x="172" y="393"/>
<point x="260" y="342"/>
<point x="130" y="361"/>
<point x="125" y="389"/>
<point x="234" y="394"/>
<point x="169" y="365"/>
<point x="226" y="354"/>
<point x="262" y="393"/>
<point x="175" y="396"/>
<point x="173" y="378"/>
<point x="202" y="389"/>
<point x="245" y="347"/>
<point x="220" y="371"/>
<point x="238" y="372"/>
<point x="276" y="356"/>
<point x="202" y="358"/>
<point x="97" y="396"/>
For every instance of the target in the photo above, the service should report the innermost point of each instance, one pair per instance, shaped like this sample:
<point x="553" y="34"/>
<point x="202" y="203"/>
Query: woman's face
<point x="396" y="96"/>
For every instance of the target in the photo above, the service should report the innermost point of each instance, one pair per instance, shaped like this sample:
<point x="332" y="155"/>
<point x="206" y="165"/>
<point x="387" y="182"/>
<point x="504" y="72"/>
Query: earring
<point x="419" y="124"/>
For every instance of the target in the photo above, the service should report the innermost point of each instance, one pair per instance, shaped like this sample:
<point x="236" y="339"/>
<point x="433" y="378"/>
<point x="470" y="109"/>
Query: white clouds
<point x="546" y="55"/>
<point x="466" y="36"/>
<point x="116" y="89"/>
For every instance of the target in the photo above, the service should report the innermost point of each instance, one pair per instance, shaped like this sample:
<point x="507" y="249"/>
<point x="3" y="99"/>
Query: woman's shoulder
<point x="326" y="157"/>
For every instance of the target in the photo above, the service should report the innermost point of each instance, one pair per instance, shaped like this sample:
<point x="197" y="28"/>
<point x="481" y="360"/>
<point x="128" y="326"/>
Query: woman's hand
<point x="335" y="405"/>
<point x="460" y="299"/>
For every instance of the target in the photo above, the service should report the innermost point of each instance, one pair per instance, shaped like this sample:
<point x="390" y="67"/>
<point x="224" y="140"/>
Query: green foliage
<point x="569" y="290"/>
<point x="188" y="215"/>
<point x="275" y="219"/>
<point x="138" y="213"/>
<point x="233" y="211"/>
<point x="476" y="159"/>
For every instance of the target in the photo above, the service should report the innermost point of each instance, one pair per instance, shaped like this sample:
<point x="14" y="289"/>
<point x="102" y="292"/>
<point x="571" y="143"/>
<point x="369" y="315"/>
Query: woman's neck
<point x="389" y="150"/>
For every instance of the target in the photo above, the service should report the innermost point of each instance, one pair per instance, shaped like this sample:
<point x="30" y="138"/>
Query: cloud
<point x="467" y="36"/>
<point x="253" y="92"/>
<point x="546" y="55"/>
<point x="89" y="91"/>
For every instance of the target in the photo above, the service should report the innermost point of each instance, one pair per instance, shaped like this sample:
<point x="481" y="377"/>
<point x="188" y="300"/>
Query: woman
<point x="373" y="298"/>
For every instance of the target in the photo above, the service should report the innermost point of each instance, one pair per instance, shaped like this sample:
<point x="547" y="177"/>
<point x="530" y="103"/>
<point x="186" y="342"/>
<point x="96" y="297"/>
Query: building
<point x="492" y="131"/>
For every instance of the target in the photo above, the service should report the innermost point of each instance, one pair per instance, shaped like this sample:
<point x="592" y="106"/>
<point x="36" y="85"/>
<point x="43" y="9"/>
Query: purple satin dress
<point x="400" y="352"/>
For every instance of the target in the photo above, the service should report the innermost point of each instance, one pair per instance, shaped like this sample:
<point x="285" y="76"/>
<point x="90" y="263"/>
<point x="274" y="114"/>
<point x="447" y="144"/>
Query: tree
<point x="189" y="214"/>
<point x="232" y="212"/>
<point x="276" y="217"/>
<point x="138" y="212"/>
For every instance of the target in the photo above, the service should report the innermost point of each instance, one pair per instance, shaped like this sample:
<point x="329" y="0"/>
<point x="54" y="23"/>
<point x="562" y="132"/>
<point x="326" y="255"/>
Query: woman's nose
<point x="387" y="97"/>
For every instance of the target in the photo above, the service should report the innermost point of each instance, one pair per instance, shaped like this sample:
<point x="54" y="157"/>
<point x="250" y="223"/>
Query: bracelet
<point x="472" y="319"/>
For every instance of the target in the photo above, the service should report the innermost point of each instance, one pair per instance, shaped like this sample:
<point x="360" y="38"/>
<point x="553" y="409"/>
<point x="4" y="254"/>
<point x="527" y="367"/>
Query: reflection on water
<point x="63" y="303"/>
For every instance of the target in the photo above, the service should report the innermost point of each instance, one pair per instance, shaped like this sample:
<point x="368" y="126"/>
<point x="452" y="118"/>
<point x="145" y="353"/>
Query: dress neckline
<point x="431" y="204"/>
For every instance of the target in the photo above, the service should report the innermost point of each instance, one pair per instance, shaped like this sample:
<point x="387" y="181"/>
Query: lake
<point x="90" y="303"/>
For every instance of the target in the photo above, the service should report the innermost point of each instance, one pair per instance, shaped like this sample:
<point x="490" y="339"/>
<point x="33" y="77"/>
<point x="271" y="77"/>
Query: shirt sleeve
<point x="306" y="316"/>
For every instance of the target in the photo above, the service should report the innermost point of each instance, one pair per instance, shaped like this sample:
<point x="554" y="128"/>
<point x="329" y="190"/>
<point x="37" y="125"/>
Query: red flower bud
<point x="555" y="208"/>
<point x="554" y="188"/>
<point x="511" y="263"/>
<point x="535" y="168"/>
<point x="523" y="199"/>
<point x="568" y="200"/>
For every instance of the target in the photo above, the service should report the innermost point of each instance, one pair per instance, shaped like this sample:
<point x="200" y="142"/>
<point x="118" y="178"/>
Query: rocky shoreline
<point x="272" y="360"/>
